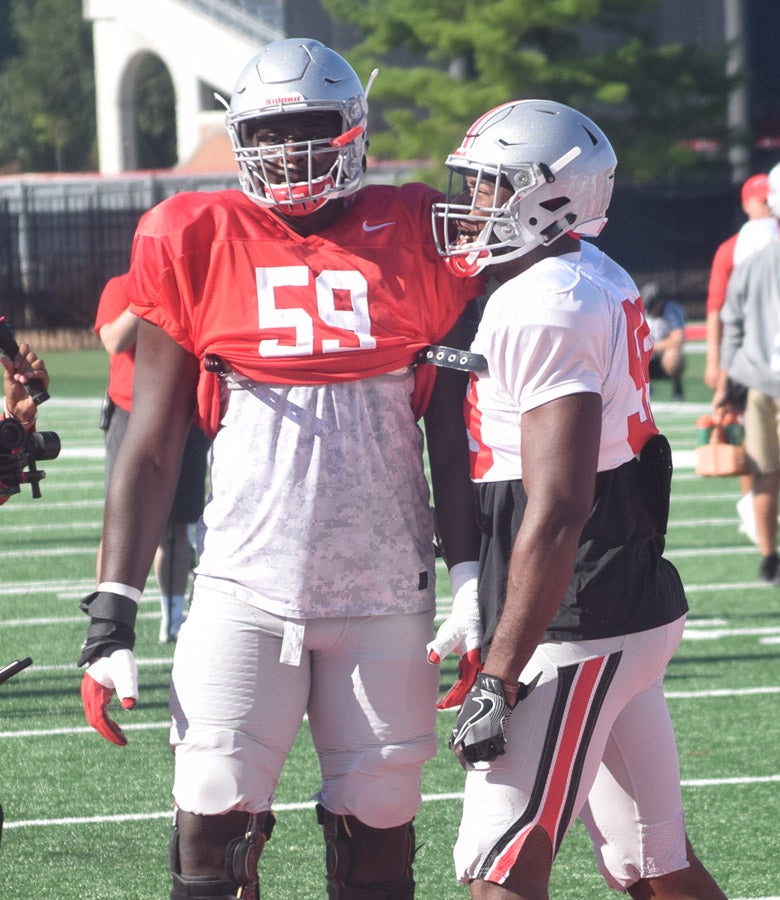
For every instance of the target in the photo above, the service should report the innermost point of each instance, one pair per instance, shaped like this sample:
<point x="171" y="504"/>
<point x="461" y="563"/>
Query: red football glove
<point x="461" y="632"/>
<point x="117" y="673"/>
<point x="469" y="666"/>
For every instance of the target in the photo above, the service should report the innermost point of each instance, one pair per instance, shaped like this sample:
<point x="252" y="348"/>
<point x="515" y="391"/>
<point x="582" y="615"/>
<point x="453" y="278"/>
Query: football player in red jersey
<point x="581" y="610"/>
<point x="289" y="315"/>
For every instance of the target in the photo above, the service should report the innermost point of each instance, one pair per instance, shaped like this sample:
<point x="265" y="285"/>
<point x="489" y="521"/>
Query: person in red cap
<point x="750" y="355"/>
<point x="732" y="251"/>
<point x="759" y="230"/>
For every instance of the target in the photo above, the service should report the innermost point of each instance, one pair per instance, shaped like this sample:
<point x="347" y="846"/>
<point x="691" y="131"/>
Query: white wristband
<point x="124" y="590"/>
<point x="462" y="572"/>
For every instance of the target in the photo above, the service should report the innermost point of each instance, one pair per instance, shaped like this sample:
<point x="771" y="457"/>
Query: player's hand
<point x="469" y="666"/>
<point x="479" y="734"/>
<point x="107" y="675"/>
<point x="460" y="632"/>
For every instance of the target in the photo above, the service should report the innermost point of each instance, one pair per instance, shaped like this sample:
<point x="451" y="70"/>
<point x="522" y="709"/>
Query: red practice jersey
<point x="224" y="276"/>
<point x="113" y="302"/>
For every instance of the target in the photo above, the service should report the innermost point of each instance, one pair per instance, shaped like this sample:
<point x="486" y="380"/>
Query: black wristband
<point x="111" y="625"/>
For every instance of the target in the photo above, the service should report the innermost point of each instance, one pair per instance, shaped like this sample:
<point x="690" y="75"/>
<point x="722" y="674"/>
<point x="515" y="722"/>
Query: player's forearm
<point x="453" y="493"/>
<point x="539" y="574"/>
<point x="135" y="515"/>
<point x="147" y="465"/>
<point x="457" y="521"/>
<point x="560" y="458"/>
<point x="140" y="493"/>
<point x="121" y="334"/>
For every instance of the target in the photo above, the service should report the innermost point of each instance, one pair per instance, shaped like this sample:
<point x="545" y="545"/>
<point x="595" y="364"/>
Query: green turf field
<point x="85" y="819"/>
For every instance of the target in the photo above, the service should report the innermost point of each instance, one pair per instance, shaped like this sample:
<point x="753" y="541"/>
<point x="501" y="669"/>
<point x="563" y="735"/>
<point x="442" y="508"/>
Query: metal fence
<point x="670" y="234"/>
<point x="61" y="239"/>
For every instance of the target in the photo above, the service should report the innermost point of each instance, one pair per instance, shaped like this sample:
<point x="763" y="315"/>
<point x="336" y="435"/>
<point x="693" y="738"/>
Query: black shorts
<point x="736" y="395"/>
<point x="190" y="497"/>
<point x="656" y="369"/>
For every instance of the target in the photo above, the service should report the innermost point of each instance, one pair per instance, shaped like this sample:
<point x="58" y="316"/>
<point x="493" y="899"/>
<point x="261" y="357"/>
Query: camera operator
<point x="25" y="366"/>
<point x="17" y="372"/>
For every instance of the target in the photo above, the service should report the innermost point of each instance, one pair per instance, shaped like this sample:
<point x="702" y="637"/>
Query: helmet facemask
<point x="553" y="169"/>
<point x="297" y="123"/>
<point x="479" y="221"/>
<point x="298" y="176"/>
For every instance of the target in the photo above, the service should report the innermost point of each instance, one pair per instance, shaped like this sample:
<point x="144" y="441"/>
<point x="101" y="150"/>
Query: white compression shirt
<point x="319" y="504"/>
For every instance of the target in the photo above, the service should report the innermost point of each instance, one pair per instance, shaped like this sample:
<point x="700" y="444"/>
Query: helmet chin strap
<point x="304" y="203"/>
<point x="469" y="265"/>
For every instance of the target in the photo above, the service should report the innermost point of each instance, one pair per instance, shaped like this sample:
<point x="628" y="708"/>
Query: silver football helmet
<point x="558" y="167"/>
<point x="290" y="77"/>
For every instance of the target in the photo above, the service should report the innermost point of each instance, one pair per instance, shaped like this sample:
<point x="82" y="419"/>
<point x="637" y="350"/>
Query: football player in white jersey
<point x="290" y="314"/>
<point x="581" y="611"/>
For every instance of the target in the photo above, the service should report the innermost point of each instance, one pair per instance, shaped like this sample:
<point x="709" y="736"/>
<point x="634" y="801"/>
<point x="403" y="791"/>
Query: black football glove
<point x="479" y="734"/>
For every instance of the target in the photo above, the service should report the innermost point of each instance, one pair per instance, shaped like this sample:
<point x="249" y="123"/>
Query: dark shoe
<point x="769" y="569"/>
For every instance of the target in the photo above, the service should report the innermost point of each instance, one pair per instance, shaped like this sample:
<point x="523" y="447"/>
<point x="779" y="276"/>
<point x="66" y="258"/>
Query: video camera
<point x="20" y="451"/>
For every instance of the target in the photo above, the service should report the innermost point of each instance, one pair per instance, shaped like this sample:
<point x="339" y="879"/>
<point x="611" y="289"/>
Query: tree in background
<point x="8" y="45"/>
<point x="47" y="96"/>
<point x="444" y="62"/>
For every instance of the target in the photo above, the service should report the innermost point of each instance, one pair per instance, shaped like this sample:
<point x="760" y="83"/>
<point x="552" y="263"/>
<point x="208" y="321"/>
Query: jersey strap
<point x="451" y="358"/>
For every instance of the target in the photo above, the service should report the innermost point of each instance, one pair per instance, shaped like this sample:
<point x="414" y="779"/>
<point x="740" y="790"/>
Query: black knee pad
<point x="206" y="887"/>
<point x="241" y="858"/>
<point x="243" y="853"/>
<point x="338" y="864"/>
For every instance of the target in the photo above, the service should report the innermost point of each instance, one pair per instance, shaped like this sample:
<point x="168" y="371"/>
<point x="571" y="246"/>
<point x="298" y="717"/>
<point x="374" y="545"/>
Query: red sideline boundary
<point x="695" y="331"/>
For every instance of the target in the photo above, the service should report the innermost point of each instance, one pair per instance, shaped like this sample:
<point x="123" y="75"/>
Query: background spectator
<point x="749" y="356"/>
<point x="666" y="319"/>
<point x="753" y="196"/>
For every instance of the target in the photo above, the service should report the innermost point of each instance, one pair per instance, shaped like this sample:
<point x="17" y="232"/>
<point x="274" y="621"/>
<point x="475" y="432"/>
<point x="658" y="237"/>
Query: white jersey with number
<point x="569" y="324"/>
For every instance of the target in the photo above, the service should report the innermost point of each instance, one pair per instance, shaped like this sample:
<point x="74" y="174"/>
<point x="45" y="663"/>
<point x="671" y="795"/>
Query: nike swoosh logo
<point x="367" y="227"/>
<point x="485" y="709"/>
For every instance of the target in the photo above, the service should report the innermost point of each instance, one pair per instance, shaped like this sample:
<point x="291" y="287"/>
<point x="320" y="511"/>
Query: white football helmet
<point x="559" y="166"/>
<point x="292" y="77"/>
